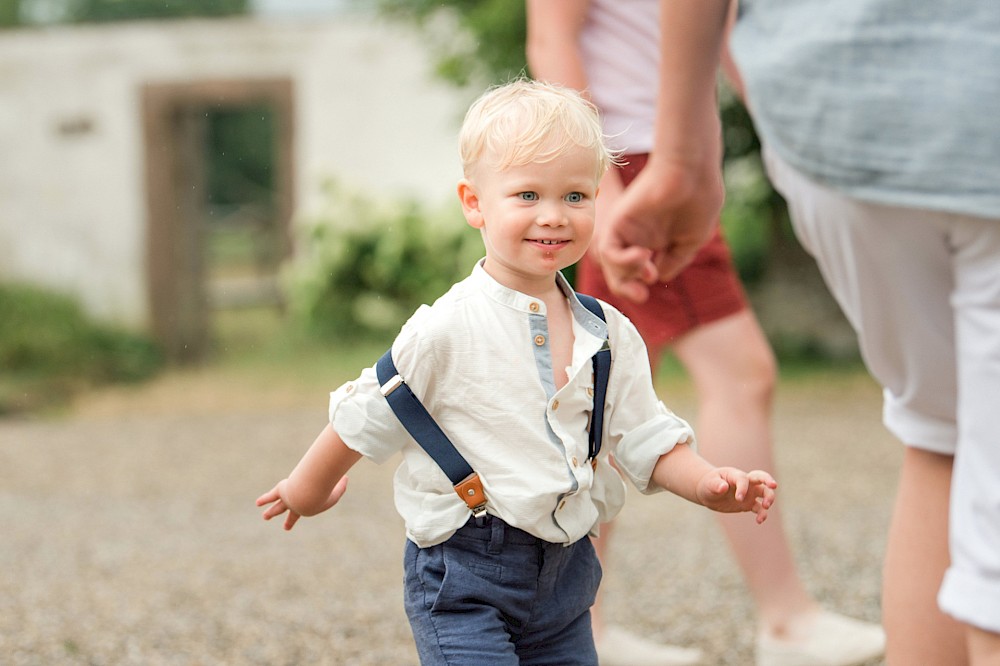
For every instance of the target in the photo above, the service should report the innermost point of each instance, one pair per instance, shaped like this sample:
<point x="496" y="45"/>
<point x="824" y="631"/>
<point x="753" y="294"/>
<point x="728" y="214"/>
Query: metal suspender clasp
<point x="470" y="489"/>
<point x="394" y="383"/>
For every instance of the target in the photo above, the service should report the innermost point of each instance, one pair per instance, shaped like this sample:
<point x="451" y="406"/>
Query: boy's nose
<point x="551" y="215"/>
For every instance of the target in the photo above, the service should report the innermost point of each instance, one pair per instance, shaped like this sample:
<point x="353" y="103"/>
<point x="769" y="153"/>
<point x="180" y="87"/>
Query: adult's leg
<point x="915" y="560"/>
<point x="890" y="270"/>
<point x="733" y="370"/>
<point x="984" y="646"/>
<point x="971" y="590"/>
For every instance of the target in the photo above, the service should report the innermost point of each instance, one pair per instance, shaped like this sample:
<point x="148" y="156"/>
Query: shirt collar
<point x="531" y="305"/>
<point x="515" y="299"/>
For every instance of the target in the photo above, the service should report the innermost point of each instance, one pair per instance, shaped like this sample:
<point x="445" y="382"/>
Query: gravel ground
<point x="129" y="533"/>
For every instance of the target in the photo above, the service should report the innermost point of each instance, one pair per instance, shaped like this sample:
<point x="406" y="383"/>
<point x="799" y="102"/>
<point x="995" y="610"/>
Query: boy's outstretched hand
<point x="277" y="499"/>
<point x="730" y="490"/>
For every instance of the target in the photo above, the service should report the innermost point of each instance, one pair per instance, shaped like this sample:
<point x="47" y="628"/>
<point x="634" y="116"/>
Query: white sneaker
<point x="832" y="640"/>
<point x="618" y="647"/>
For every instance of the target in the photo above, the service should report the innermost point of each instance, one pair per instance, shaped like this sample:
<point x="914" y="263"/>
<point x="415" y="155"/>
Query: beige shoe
<point x="832" y="640"/>
<point x="618" y="647"/>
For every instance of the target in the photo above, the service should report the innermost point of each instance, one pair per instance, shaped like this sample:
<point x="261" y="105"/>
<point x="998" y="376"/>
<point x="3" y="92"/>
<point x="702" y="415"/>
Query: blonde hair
<point x="528" y="121"/>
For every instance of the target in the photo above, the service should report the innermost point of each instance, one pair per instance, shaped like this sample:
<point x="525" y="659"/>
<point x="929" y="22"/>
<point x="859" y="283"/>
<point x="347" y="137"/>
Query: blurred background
<point x="179" y="175"/>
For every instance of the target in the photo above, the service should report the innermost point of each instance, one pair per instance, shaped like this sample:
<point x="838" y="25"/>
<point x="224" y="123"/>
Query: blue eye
<point x="574" y="197"/>
<point x="528" y="196"/>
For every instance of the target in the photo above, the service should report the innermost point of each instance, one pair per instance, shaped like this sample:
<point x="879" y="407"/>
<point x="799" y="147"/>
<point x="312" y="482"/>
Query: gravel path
<point x="129" y="534"/>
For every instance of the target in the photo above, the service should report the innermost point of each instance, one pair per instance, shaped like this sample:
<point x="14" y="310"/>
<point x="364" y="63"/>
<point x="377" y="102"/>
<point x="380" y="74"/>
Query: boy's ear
<point x="470" y="203"/>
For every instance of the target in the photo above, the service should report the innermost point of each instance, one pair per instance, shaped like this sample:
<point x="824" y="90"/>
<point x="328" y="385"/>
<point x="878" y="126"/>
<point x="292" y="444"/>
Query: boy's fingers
<point x="742" y="486"/>
<point x="761" y="510"/>
<point x="739" y="483"/>
<point x="270" y="496"/>
<point x="275" y="509"/>
<point x="760" y="476"/>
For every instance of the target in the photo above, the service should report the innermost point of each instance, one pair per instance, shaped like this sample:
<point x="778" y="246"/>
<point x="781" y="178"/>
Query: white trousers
<point x="922" y="290"/>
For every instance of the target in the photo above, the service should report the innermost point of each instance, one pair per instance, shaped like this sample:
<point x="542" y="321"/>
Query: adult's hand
<point x="664" y="216"/>
<point x="671" y="208"/>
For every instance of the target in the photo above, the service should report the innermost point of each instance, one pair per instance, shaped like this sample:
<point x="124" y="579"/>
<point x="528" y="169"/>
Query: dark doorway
<point x="219" y="190"/>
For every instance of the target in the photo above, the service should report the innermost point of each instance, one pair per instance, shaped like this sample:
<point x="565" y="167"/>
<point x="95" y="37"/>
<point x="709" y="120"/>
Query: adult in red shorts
<point x="706" y="291"/>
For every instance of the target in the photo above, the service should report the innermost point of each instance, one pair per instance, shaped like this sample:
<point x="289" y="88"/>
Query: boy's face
<point x="535" y="219"/>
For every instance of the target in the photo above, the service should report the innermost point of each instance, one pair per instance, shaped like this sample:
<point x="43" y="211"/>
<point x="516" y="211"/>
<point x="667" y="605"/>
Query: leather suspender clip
<point x="472" y="493"/>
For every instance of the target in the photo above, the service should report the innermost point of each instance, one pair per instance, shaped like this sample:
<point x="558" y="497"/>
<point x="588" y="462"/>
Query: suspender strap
<point x="602" y="371"/>
<point x="423" y="428"/>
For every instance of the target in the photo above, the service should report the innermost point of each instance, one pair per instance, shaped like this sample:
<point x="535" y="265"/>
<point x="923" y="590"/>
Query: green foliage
<point x="47" y="344"/>
<point x="240" y="155"/>
<point x="752" y="204"/>
<point x="746" y="216"/>
<point x="19" y="12"/>
<point x="489" y="45"/>
<point x="121" y="10"/>
<point x="10" y="13"/>
<point x="362" y="268"/>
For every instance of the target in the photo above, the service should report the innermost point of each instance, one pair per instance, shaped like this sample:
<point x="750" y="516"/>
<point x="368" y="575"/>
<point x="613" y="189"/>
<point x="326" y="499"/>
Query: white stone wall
<point x="72" y="181"/>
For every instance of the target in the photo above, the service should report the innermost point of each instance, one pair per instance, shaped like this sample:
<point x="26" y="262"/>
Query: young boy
<point x="502" y="362"/>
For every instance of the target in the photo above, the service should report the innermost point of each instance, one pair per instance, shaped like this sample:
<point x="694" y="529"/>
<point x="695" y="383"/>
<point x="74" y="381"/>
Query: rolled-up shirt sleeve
<point x="363" y="419"/>
<point x="639" y="449"/>
<point x="361" y="415"/>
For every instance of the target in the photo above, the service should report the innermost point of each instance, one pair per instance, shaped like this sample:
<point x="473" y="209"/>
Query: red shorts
<point x="706" y="290"/>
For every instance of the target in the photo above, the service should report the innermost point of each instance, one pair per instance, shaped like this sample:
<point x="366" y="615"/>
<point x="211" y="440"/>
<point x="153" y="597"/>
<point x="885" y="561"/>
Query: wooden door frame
<point x="178" y="312"/>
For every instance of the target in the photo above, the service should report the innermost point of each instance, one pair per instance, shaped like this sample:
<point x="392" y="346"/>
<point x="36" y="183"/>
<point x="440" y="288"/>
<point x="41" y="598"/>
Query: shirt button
<point x="561" y="505"/>
<point x="534" y="307"/>
<point x="539" y="340"/>
<point x="555" y="405"/>
<point x="590" y="391"/>
<point x="349" y="388"/>
<point x="576" y="463"/>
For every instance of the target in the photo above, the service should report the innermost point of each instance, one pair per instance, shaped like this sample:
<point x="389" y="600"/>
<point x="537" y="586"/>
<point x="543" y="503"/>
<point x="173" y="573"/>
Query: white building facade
<point x="82" y="147"/>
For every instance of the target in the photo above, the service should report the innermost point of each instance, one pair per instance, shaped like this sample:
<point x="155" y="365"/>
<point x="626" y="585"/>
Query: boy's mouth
<point x="548" y="241"/>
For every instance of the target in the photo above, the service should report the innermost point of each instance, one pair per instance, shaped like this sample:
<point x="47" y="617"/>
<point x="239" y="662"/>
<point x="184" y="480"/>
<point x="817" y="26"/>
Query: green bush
<point x="362" y="268"/>
<point x="746" y="217"/>
<point x="49" y="348"/>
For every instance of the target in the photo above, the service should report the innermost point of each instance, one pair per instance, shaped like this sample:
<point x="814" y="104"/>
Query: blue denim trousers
<point x="496" y="595"/>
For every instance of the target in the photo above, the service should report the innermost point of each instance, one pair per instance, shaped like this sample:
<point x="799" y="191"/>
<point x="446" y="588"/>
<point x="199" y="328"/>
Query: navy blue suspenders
<point x="425" y="430"/>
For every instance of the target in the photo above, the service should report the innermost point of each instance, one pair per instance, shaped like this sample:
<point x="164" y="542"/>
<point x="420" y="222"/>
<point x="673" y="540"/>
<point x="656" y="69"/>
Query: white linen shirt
<point x="480" y="361"/>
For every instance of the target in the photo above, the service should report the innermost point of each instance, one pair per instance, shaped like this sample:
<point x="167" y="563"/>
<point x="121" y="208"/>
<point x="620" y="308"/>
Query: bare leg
<point x="915" y="561"/>
<point x="733" y="369"/>
<point x="984" y="647"/>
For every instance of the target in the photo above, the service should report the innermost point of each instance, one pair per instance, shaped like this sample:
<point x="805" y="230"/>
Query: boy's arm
<point x="725" y="489"/>
<point x="316" y="483"/>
